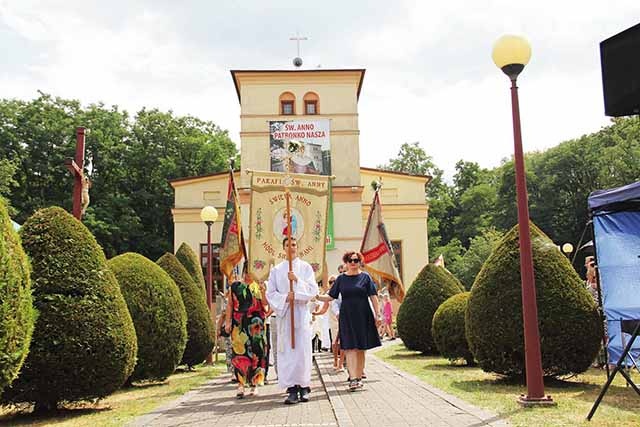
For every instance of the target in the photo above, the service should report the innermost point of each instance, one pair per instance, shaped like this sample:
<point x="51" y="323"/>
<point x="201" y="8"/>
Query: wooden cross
<point x="298" y="39"/>
<point x="76" y="167"/>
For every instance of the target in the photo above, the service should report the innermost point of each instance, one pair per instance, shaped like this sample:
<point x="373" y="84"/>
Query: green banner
<point x="331" y="244"/>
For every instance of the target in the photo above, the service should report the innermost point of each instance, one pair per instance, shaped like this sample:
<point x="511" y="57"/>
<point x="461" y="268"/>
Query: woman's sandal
<point x="240" y="395"/>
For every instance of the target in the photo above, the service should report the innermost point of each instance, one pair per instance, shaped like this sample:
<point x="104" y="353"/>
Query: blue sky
<point x="429" y="76"/>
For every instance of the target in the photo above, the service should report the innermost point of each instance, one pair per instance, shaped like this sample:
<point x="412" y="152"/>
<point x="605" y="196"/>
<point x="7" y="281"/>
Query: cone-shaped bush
<point x="158" y="315"/>
<point x="432" y="287"/>
<point x="448" y="329"/>
<point x="455" y="279"/>
<point x="84" y="343"/>
<point x="16" y="308"/>
<point x="569" y="327"/>
<point x="200" y="331"/>
<point x="189" y="261"/>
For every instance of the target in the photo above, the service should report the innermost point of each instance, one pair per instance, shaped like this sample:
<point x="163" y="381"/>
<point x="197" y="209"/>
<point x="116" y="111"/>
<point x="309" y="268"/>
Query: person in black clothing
<point x="358" y="327"/>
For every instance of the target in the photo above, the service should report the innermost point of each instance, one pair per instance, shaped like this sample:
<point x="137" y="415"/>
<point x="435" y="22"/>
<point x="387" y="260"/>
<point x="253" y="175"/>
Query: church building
<point x="330" y="96"/>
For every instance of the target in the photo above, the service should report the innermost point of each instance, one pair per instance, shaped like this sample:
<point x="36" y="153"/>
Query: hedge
<point x="16" y="305"/>
<point x="200" y="330"/>
<point x="84" y="343"/>
<point x="432" y="287"/>
<point x="569" y="325"/>
<point x="158" y="314"/>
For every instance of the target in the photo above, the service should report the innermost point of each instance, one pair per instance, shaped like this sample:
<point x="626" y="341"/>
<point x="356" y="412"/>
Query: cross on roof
<point x="298" y="39"/>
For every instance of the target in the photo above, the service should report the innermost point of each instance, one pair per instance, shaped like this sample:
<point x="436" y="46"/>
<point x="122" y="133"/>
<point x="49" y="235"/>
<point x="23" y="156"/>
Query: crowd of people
<point x="342" y="315"/>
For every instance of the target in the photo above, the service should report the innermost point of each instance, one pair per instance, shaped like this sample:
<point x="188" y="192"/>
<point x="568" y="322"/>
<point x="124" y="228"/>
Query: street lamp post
<point x="567" y="248"/>
<point x="209" y="214"/>
<point x="511" y="54"/>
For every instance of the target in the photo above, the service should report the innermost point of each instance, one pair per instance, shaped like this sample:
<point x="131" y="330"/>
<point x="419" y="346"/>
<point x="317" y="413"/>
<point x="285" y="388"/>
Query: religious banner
<point x="315" y="155"/>
<point x="376" y="249"/>
<point x="309" y="204"/>
<point x="232" y="248"/>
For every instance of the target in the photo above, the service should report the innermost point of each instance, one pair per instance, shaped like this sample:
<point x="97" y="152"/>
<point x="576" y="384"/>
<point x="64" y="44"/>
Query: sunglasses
<point x="332" y="281"/>
<point x="354" y="260"/>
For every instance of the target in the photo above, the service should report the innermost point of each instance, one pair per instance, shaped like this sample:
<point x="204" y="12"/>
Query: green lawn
<point x="122" y="406"/>
<point x="574" y="397"/>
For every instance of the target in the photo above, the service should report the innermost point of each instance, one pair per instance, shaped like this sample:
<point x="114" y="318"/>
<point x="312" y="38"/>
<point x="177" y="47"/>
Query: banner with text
<point x="309" y="203"/>
<point x="315" y="155"/>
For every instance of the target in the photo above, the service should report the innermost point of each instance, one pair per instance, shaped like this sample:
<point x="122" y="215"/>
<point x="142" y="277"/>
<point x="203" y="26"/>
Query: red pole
<point x="209" y="281"/>
<point x="533" y="359"/>
<point x="77" y="186"/>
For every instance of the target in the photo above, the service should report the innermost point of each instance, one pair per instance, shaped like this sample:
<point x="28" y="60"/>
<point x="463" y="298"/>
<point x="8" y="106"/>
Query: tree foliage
<point x="569" y="324"/>
<point x="158" y="314"/>
<point x="559" y="180"/>
<point x="189" y="261"/>
<point x="448" y="329"/>
<point x="16" y="306"/>
<point x="432" y="287"/>
<point x="131" y="160"/>
<point x="84" y="342"/>
<point x="200" y="330"/>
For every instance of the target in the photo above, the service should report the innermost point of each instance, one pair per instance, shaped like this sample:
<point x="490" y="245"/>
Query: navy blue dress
<point x="357" y="326"/>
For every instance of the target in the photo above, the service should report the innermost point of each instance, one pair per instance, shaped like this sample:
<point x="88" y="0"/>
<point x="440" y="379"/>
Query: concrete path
<point x="390" y="398"/>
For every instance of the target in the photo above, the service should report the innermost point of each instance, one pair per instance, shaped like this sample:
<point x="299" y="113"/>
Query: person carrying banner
<point x="358" y="328"/>
<point x="294" y="364"/>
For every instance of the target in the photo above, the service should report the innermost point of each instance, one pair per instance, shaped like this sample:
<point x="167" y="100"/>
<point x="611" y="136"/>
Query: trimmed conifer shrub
<point x="569" y="325"/>
<point x="16" y="306"/>
<point x="432" y="287"/>
<point x="448" y="330"/>
<point x="200" y="330"/>
<point x="455" y="279"/>
<point x="84" y="343"/>
<point x="158" y="314"/>
<point x="189" y="261"/>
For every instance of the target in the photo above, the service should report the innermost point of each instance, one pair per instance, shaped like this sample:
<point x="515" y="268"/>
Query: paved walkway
<point x="390" y="398"/>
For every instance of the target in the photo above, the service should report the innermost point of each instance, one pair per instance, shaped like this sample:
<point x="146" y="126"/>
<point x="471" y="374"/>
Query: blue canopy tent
<point x="616" y="227"/>
<point x="615" y="217"/>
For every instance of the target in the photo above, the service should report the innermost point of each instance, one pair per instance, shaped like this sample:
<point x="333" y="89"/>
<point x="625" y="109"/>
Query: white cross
<point x="297" y="38"/>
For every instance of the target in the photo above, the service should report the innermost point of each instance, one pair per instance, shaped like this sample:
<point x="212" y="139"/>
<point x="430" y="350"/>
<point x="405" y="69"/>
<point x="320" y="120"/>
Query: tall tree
<point x="131" y="161"/>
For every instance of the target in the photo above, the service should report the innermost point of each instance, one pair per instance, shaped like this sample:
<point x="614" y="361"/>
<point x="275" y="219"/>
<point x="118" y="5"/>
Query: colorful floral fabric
<point x="248" y="338"/>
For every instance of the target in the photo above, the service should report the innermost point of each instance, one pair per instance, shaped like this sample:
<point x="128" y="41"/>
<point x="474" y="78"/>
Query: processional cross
<point x="292" y="147"/>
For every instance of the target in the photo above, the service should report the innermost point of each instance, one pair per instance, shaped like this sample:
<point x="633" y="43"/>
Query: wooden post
<point x="289" y="236"/>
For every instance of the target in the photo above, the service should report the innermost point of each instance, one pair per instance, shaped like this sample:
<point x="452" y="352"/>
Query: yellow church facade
<point x="282" y="95"/>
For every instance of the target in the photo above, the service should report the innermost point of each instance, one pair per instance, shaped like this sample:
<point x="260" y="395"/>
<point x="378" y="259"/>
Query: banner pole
<point x="289" y="237"/>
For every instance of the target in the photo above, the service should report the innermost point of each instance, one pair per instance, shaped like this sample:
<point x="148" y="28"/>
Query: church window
<point x="287" y="104"/>
<point x="311" y="103"/>
<point x="287" y="108"/>
<point x="310" y="107"/>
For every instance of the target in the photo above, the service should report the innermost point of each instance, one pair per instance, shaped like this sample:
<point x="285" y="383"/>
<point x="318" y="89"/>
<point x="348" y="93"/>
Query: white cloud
<point x="429" y="73"/>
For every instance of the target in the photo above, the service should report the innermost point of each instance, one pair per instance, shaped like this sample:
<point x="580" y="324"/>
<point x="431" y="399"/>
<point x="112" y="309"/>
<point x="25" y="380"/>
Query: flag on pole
<point x="378" y="254"/>
<point x="439" y="261"/>
<point x="232" y="248"/>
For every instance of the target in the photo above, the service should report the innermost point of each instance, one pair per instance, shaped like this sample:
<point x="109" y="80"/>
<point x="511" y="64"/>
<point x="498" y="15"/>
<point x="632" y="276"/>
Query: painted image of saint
<point x="302" y="162"/>
<point x="280" y="224"/>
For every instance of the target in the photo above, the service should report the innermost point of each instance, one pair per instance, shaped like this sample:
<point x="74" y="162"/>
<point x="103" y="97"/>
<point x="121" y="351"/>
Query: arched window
<point x="287" y="104"/>
<point x="311" y="103"/>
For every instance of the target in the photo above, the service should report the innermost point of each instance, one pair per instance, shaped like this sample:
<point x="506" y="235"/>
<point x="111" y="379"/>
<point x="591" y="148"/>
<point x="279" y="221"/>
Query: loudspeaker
<point x="620" y="61"/>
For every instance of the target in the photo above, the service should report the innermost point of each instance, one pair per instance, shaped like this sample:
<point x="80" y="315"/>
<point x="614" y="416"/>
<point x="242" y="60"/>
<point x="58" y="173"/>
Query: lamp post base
<point x="530" y="402"/>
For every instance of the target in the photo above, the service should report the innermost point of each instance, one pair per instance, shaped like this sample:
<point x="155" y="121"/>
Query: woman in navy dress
<point x="358" y="328"/>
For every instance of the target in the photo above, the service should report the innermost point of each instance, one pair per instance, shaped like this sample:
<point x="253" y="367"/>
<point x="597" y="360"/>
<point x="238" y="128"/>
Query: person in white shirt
<point x="294" y="373"/>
